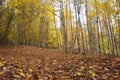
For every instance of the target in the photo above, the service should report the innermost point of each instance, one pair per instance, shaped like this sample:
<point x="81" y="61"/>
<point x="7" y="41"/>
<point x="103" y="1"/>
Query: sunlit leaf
<point x="78" y="73"/>
<point x="1" y="64"/>
<point x="22" y="74"/>
<point x="16" y="76"/>
<point x="4" y="62"/>
<point x="30" y="70"/>
<point x="92" y="73"/>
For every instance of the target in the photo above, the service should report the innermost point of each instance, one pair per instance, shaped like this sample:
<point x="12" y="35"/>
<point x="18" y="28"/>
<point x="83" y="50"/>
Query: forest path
<point x="34" y="63"/>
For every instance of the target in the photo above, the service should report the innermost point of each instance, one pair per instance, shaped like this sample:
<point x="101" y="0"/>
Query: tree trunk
<point x="98" y="35"/>
<point x="65" y="37"/>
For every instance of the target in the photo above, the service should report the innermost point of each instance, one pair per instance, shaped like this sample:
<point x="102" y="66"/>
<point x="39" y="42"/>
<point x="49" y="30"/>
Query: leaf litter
<point x="33" y="63"/>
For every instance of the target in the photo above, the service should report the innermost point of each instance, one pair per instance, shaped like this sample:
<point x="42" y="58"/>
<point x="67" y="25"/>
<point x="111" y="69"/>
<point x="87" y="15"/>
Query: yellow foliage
<point x="92" y="14"/>
<point x="17" y="11"/>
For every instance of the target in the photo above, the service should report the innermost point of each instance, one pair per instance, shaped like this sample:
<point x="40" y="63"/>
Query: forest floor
<point x="34" y="63"/>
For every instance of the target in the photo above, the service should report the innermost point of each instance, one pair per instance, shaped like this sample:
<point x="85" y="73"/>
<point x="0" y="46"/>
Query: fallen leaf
<point x="16" y="76"/>
<point x="92" y="73"/>
<point x="30" y="70"/>
<point x="78" y="73"/>
<point x="1" y="64"/>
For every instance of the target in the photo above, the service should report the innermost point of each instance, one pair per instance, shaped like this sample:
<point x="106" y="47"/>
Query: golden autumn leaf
<point x="21" y="74"/>
<point x="78" y="73"/>
<point x="30" y="70"/>
<point x="92" y="73"/>
<point x="16" y="76"/>
<point x="1" y="64"/>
